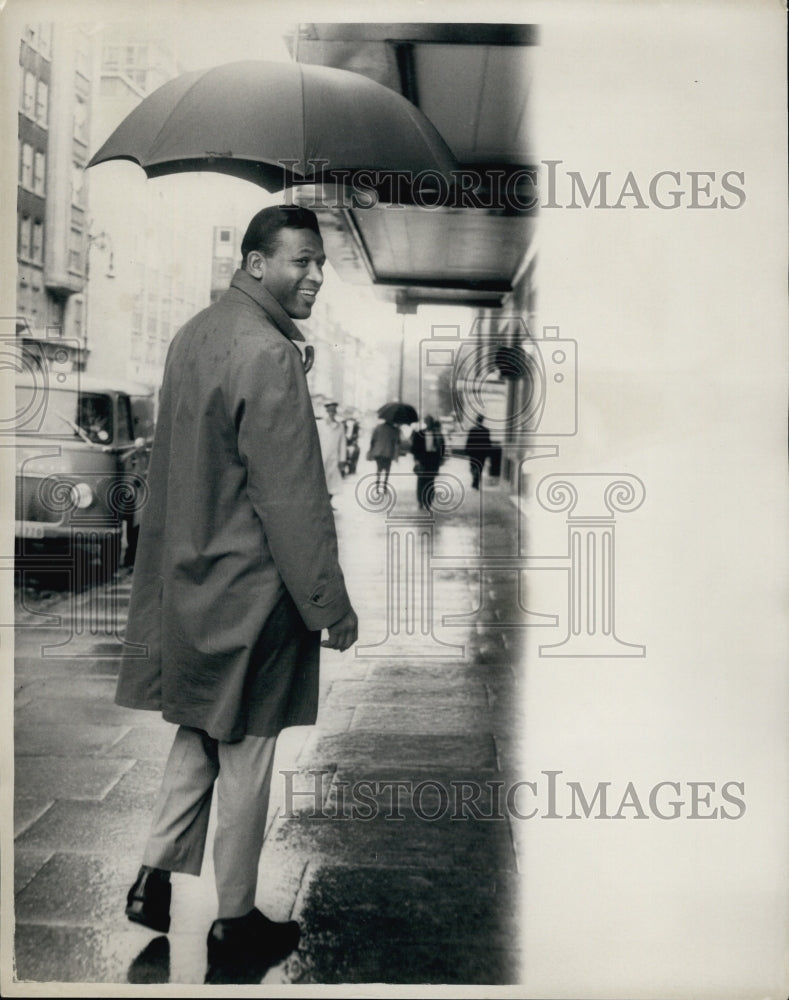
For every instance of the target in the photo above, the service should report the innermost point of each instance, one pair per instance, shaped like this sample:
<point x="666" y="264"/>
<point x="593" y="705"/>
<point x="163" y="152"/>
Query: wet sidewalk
<point x="388" y="834"/>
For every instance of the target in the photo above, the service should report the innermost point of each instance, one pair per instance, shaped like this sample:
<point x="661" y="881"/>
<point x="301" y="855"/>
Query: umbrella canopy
<point x="277" y="123"/>
<point x="398" y="413"/>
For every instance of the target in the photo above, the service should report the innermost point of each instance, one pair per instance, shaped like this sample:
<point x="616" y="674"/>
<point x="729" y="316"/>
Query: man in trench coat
<point x="331" y="434"/>
<point x="236" y="575"/>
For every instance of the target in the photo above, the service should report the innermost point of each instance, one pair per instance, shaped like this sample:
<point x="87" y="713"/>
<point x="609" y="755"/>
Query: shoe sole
<point x="136" y="913"/>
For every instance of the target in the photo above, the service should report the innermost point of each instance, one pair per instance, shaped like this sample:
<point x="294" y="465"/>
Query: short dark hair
<point x="263" y="231"/>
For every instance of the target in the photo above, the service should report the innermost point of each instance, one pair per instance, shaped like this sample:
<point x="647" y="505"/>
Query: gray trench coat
<point x="237" y="568"/>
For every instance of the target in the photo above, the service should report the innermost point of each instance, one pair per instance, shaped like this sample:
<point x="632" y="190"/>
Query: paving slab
<point x="382" y="925"/>
<point x="65" y="666"/>
<point x="345" y="693"/>
<point x="472" y="750"/>
<point x="150" y="739"/>
<point x="82" y="711"/>
<point x="100" y="689"/>
<point x="398" y="904"/>
<point x="432" y="715"/>
<point x="64" y="738"/>
<point x="29" y="810"/>
<point x="136" y="787"/>
<point x="440" y="671"/>
<point x="83" y="890"/>
<point x="91" y="828"/>
<point x="66" y="777"/>
<point x="26" y="864"/>
<point x="47" y="953"/>
<point x="334" y="720"/>
<point x="392" y="837"/>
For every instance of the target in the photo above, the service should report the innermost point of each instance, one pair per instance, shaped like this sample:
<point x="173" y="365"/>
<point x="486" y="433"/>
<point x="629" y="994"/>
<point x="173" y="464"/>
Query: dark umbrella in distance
<point x="275" y="124"/>
<point x="398" y="413"/>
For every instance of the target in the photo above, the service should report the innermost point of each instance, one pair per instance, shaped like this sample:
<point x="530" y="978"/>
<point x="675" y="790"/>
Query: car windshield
<point x="65" y="413"/>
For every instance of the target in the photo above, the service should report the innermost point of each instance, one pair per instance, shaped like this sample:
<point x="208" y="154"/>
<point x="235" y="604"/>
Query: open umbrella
<point x="277" y="123"/>
<point x="398" y="413"/>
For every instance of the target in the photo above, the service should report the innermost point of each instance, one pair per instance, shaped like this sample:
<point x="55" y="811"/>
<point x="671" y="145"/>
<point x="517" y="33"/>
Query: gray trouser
<point x="242" y="772"/>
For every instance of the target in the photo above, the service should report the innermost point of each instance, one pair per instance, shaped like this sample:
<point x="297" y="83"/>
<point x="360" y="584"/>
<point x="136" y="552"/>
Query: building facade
<point x="56" y="74"/>
<point x="143" y="286"/>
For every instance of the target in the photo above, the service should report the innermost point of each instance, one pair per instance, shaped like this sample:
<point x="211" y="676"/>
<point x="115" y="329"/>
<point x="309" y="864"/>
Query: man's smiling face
<point x="293" y="273"/>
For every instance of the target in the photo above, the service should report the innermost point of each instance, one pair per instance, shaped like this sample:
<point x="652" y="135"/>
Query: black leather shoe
<point x="148" y="900"/>
<point x="251" y="937"/>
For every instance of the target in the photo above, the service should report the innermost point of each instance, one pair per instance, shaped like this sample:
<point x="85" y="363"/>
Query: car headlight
<point x="81" y="495"/>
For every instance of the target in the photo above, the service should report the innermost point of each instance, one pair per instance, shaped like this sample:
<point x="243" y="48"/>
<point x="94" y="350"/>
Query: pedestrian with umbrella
<point x="236" y="575"/>
<point x="237" y="568"/>
<point x="385" y="441"/>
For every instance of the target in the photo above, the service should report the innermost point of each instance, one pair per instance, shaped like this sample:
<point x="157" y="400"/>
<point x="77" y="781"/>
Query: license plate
<point x="25" y="529"/>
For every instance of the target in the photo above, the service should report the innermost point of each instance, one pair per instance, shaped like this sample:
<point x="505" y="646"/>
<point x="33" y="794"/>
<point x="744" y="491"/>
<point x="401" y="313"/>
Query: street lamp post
<point x="405" y="307"/>
<point x="102" y="241"/>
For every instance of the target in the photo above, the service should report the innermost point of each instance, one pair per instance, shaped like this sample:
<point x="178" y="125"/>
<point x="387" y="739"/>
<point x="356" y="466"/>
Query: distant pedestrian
<point x="351" y="425"/>
<point x="332" y="437"/>
<point x="428" y="448"/>
<point x="384" y="448"/>
<point x="479" y="447"/>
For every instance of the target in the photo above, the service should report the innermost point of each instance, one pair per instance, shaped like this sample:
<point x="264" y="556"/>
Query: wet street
<point x="387" y="836"/>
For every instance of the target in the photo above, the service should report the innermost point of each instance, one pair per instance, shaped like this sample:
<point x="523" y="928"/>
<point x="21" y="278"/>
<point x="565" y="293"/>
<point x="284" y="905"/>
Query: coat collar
<point x="254" y="289"/>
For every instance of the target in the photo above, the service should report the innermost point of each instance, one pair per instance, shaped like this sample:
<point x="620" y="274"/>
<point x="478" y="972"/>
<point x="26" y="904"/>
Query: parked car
<point x="82" y="454"/>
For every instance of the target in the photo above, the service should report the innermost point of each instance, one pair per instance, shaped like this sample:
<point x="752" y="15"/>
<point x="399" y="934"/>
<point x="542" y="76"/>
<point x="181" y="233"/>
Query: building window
<point x="78" y="317"/>
<point x="26" y="175"/>
<point x="45" y="40"/>
<point x="42" y="103"/>
<point x="39" y="173"/>
<point x="75" y="251"/>
<point x="77" y="184"/>
<point x="25" y="233"/>
<point x="80" y="120"/>
<point x="38" y="242"/>
<point x="83" y="55"/>
<point x="136" y="319"/>
<point x="29" y="96"/>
